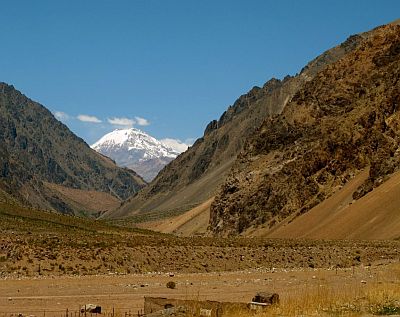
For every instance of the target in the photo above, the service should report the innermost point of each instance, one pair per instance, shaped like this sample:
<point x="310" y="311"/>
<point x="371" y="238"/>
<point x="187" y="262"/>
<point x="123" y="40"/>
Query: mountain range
<point x="279" y="162"/>
<point x="136" y="150"/>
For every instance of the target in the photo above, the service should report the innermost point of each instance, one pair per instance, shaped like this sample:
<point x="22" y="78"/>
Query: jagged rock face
<point x="343" y="120"/>
<point x="195" y="175"/>
<point x="136" y="150"/>
<point x="36" y="148"/>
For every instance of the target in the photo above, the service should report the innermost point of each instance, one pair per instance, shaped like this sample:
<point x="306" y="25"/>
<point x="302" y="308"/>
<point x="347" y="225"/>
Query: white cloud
<point x="142" y="121"/>
<point x="87" y="118"/>
<point x="189" y="141"/>
<point x="62" y="116"/>
<point x="125" y="122"/>
<point x="175" y="144"/>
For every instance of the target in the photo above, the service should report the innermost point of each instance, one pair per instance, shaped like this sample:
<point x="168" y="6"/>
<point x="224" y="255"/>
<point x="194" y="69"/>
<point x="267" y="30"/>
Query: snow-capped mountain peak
<point x="135" y="149"/>
<point x="134" y="139"/>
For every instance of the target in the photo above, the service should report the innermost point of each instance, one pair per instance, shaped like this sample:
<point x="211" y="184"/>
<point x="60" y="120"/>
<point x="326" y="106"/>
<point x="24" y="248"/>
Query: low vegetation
<point x="36" y="243"/>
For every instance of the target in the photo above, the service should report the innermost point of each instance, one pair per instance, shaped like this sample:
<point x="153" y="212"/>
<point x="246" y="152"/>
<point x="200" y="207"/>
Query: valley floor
<point x="50" y="263"/>
<point x="358" y="291"/>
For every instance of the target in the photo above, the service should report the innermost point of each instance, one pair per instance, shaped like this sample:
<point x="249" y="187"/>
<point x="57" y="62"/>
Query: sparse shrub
<point x="386" y="309"/>
<point x="171" y="285"/>
<point x="61" y="267"/>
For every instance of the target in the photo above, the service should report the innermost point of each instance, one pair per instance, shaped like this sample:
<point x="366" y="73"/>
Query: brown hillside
<point x="192" y="222"/>
<point x="195" y="175"/>
<point x="87" y="202"/>
<point x="374" y="216"/>
<point x="343" y="120"/>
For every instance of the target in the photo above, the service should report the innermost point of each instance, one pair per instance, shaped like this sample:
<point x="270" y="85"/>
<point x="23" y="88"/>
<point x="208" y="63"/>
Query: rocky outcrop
<point x="344" y="119"/>
<point x="36" y="148"/>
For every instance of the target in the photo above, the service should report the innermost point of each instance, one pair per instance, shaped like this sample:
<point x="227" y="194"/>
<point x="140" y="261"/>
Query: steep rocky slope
<point x="136" y="150"/>
<point x="194" y="176"/>
<point x="343" y="120"/>
<point x="37" y="151"/>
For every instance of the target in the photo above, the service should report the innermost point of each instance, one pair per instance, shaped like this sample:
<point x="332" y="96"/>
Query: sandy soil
<point x="374" y="216"/>
<point x="194" y="221"/>
<point x="52" y="296"/>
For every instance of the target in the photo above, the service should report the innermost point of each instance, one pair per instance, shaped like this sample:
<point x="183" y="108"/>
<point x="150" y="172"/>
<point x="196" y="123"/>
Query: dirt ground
<point x="52" y="296"/>
<point x="194" y="221"/>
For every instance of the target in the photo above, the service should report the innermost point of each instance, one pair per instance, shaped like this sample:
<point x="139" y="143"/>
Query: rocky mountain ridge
<point x="37" y="151"/>
<point x="343" y="120"/>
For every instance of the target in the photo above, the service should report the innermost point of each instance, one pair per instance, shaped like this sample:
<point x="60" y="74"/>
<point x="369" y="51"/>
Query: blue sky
<point x="166" y="67"/>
